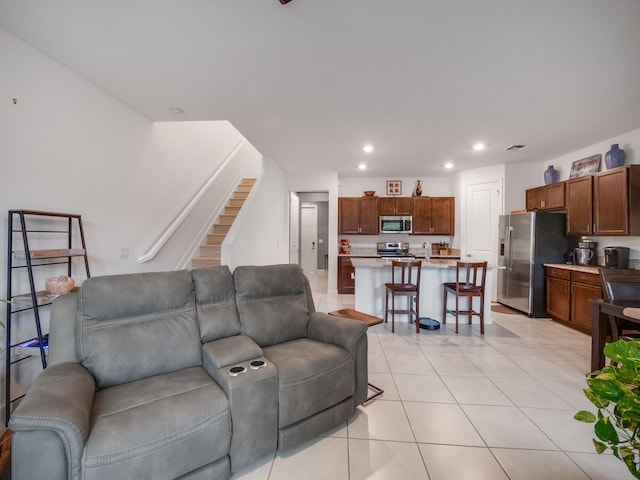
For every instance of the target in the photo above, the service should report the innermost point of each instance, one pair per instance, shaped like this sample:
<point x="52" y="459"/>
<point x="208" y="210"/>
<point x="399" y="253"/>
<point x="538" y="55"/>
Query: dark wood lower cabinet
<point x="346" y="275"/>
<point x="580" y="305"/>
<point x="558" y="291"/>
<point x="569" y="293"/>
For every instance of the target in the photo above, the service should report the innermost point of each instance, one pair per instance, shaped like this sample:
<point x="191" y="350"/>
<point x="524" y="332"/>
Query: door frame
<point x="304" y="207"/>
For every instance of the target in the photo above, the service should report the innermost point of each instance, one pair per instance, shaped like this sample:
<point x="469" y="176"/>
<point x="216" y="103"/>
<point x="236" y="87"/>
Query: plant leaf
<point x="607" y="387"/>
<point x="606" y="432"/>
<point x="595" y="399"/>
<point x="628" y="457"/>
<point x="616" y="351"/>
<point x="600" y="447"/>
<point x="584" y="416"/>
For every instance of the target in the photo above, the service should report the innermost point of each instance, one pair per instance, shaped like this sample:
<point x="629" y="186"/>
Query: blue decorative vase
<point x="614" y="157"/>
<point x="551" y="175"/>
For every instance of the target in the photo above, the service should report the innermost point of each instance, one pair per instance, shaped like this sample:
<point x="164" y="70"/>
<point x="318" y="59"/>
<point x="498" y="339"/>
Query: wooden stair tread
<point x="210" y="252"/>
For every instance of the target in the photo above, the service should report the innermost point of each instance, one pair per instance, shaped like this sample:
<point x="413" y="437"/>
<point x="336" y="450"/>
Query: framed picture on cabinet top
<point x="586" y="166"/>
<point x="394" y="187"/>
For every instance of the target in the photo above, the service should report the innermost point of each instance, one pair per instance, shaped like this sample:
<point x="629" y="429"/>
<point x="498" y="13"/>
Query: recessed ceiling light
<point x="362" y="166"/>
<point x="368" y="148"/>
<point x="478" y="147"/>
<point x="176" y="110"/>
<point x="448" y="165"/>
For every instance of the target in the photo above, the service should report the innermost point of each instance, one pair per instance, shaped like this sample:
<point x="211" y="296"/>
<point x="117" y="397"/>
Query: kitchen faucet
<point x="427" y="248"/>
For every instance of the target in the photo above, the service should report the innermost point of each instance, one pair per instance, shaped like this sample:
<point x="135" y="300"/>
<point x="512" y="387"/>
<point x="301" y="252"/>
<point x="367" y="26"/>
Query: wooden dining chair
<point x="405" y="282"/>
<point x="470" y="282"/>
<point x="620" y="284"/>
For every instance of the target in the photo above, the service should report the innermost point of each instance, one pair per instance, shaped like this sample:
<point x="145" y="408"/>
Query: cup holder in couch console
<point x="237" y="370"/>
<point x="256" y="364"/>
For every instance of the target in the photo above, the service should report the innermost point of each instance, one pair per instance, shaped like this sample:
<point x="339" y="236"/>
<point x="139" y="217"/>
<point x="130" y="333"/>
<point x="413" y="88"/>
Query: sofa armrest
<point x="343" y="332"/>
<point x="62" y="330"/>
<point x="350" y="335"/>
<point x="230" y="351"/>
<point x="60" y="400"/>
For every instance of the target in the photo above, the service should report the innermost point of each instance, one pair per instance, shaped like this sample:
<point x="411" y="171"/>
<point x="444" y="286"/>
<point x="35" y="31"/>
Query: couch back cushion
<point x="216" y="303"/>
<point x="272" y="303"/>
<point x="137" y="326"/>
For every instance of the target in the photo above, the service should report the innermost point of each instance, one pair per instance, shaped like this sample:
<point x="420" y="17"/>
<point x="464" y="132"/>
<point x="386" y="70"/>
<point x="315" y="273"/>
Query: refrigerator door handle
<point x="509" y="258"/>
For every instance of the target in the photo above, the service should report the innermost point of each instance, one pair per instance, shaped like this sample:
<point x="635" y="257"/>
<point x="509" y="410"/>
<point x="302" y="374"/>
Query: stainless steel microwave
<point x="395" y="224"/>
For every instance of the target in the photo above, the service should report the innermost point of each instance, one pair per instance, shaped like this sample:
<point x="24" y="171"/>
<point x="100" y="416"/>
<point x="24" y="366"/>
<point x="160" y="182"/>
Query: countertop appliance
<point x="395" y="224"/>
<point x="393" y="250"/>
<point x="586" y="252"/>
<point x="583" y="256"/>
<point x="526" y="242"/>
<point x="616" y="257"/>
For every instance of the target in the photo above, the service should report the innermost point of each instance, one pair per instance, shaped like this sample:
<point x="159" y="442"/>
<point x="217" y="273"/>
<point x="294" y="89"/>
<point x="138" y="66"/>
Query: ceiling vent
<point x="514" y="148"/>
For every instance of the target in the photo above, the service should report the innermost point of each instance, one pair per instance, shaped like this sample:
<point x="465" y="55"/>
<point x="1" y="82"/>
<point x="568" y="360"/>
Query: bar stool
<point x="408" y="285"/>
<point x="470" y="281"/>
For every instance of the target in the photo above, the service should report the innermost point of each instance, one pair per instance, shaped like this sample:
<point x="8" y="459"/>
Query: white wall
<point x="518" y="178"/>
<point x="263" y="236"/>
<point x="629" y="142"/>
<point x="69" y="147"/>
<point x="431" y="186"/>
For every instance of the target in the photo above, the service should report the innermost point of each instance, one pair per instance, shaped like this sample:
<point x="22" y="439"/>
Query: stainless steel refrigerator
<point x="526" y="242"/>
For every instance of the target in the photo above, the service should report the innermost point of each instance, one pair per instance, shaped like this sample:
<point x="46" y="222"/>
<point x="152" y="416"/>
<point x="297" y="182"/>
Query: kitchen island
<point x="372" y="273"/>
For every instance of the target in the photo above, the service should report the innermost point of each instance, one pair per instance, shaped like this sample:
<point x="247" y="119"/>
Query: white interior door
<point x="480" y="233"/>
<point x="294" y="228"/>
<point x="309" y="237"/>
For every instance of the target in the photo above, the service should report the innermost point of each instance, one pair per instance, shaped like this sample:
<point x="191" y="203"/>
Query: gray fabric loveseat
<point x="186" y="374"/>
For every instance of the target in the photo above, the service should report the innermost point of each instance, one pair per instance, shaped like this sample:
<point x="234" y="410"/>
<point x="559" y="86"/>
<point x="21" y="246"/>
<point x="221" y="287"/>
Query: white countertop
<point x="574" y="268"/>
<point x="386" y="262"/>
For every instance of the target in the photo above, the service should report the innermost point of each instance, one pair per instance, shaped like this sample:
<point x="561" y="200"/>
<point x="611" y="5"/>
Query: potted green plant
<point x="615" y="392"/>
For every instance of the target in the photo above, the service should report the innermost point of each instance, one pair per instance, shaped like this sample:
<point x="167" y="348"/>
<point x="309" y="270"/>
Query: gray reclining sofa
<point x="186" y="374"/>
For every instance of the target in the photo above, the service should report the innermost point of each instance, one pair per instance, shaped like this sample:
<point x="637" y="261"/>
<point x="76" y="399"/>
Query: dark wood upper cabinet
<point x="579" y="196"/>
<point x="433" y="215"/>
<point x="369" y="216"/>
<point x="616" y="207"/>
<point x="548" y="197"/>
<point x="349" y="215"/>
<point x="358" y="215"/>
<point x="606" y="203"/>
<point x="396" y="205"/>
<point x="442" y="215"/>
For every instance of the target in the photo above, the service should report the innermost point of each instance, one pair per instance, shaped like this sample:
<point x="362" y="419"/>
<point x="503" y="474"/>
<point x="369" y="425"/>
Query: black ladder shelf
<point x="43" y="228"/>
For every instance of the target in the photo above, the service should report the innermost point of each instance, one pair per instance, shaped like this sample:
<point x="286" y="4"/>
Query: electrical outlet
<point x="124" y="251"/>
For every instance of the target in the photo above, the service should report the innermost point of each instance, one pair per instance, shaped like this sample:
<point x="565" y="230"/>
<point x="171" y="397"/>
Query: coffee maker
<point x="585" y="252"/>
<point x="616" y="257"/>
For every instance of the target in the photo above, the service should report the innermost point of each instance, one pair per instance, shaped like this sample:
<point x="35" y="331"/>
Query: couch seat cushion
<point x="156" y="428"/>
<point x="312" y="376"/>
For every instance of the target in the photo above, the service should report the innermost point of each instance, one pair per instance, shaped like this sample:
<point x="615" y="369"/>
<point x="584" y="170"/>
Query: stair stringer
<point x="227" y="244"/>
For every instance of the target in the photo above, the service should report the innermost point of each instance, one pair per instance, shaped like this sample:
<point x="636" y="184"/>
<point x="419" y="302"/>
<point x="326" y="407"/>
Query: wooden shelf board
<point x="54" y="253"/>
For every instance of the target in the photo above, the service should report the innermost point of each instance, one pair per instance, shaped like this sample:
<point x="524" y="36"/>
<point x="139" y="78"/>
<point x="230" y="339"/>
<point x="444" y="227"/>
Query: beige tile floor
<point x="459" y="407"/>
